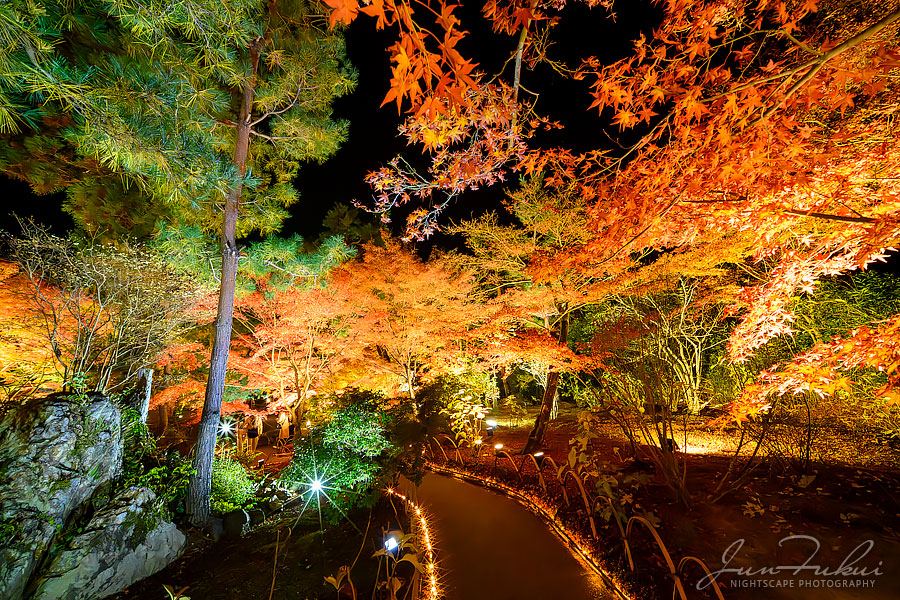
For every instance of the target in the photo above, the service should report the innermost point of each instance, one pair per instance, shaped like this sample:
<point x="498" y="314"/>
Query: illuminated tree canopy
<point x="764" y="130"/>
<point x="745" y="179"/>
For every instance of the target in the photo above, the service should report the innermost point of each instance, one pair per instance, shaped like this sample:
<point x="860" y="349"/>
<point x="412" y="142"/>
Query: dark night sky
<point x="373" y="137"/>
<point x="16" y="197"/>
<point x="373" y="142"/>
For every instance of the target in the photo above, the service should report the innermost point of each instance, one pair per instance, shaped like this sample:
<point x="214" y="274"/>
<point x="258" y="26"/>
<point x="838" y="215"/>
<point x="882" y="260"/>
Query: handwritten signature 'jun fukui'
<point x="847" y="568"/>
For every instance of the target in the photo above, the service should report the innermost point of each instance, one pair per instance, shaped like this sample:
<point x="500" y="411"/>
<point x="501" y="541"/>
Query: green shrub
<point x="345" y="455"/>
<point x="356" y="429"/>
<point x="232" y="486"/>
<point x="167" y="478"/>
<point x="481" y="387"/>
<point x="346" y="478"/>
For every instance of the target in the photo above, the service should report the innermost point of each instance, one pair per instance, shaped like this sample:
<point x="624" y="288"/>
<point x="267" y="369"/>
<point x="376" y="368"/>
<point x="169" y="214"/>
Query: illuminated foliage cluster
<point x="342" y="454"/>
<point x="232" y="486"/>
<point x="764" y="131"/>
<point x="103" y="312"/>
<point x="415" y="315"/>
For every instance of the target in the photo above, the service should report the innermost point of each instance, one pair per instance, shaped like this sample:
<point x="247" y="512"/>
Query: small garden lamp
<point x="497" y="449"/>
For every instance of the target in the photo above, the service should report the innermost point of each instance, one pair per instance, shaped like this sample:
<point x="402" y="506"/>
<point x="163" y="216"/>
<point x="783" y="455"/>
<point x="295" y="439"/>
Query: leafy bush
<point x="343" y="455"/>
<point x="482" y="387"/>
<point x="465" y="417"/>
<point x="232" y="486"/>
<point x="136" y="438"/>
<point x="356" y="429"/>
<point x="169" y="480"/>
<point x="345" y="477"/>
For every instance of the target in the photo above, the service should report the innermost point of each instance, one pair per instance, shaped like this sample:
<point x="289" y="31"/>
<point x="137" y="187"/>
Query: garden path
<point x="489" y="546"/>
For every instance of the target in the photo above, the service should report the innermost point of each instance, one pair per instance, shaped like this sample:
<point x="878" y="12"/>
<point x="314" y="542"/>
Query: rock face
<point x="54" y="454"/>
<point x="234" y="522"/>
<point x="128" y="540"/>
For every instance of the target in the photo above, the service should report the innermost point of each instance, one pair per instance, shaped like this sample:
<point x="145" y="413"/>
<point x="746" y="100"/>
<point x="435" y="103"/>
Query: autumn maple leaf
<point x="523" y="16"/>
<point x="344" y="11"/>
<point x="376" y="9"/>
<point x="625" y="118"/>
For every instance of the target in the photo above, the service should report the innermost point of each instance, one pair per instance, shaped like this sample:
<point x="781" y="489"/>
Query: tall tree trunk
<point x="501" y="382"/>
<point x="162" y="418"/>
<point x="145" y="381"/>
<point x="200" y="483"/>
<point x="536" y="437"/>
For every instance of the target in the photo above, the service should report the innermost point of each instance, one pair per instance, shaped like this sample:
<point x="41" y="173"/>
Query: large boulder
<point x="54" y="454"/>
<point x="128" y="540"/>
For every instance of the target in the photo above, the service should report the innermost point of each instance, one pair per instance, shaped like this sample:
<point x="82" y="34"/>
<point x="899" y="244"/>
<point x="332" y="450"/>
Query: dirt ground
<point x="847" y="517"/>
<point x="244" y="568"/>
<point x="848" y="514"/>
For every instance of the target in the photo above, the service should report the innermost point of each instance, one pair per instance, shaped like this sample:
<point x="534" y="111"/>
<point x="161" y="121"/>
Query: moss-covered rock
<point x="55" y="453"/>
<point x="128" y="540"/>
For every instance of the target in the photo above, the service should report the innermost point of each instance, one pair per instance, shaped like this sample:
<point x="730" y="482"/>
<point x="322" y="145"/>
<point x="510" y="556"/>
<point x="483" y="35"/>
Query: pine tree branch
<point x="291" y="104"/>
<point x="271" y="138"/>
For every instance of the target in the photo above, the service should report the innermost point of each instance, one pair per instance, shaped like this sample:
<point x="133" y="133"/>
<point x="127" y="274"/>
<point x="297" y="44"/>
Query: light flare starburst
<point x="317" y="485"/>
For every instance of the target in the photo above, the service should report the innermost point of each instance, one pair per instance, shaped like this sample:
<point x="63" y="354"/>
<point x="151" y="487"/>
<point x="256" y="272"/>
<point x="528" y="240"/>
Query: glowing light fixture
<point x="498" y="446"/>
<point x="491" y="423"/>
<point x="432" y="591"/>
<point x="315" y="485"/>
<point x="226" y="428"/>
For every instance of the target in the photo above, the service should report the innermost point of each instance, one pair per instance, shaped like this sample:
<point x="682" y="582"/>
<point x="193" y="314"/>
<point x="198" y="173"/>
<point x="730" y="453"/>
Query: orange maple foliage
<point x="740" y="146"/>
<point x="344" y="11"/>
<point x="475" y="129"/>
<point x="428" y="71"/>
<point x="759" y="120"/>
<point x="471" y="147"/>
<point x="416" y="315"/>
<point x="797" y="152"/>
<point x="24" y="349"/>
<point x="297" y="339"/>
<point x="822" y="369"/>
